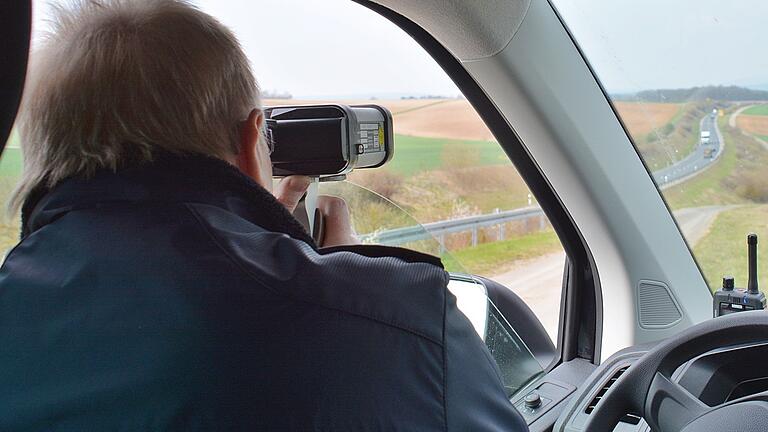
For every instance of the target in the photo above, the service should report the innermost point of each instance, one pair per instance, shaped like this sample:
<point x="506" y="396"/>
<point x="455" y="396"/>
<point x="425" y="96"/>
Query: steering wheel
<point x="647" y="386"/>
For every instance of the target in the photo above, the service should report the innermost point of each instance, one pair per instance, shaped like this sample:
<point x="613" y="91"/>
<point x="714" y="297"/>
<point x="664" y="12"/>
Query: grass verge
<point x="724" y="249"/>
<point x="490" y="259"/>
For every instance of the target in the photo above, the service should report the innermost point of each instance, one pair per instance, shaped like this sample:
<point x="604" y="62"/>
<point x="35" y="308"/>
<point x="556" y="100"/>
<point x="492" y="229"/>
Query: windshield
<point x="686" y="80"/>
<point x="377" y="220"/>
<point x="450" y="190"/>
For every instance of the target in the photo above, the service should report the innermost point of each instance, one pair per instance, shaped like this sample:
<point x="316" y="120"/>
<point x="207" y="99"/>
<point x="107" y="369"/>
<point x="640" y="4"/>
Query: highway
<point x="696" y="161"/>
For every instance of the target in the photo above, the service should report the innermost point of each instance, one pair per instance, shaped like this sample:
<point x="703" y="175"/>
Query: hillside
<point x="695" y="94"/>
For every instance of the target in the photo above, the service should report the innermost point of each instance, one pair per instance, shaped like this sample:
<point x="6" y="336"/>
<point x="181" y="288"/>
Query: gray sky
<point x="646" y="44"/>
<point x="336" y="48"/>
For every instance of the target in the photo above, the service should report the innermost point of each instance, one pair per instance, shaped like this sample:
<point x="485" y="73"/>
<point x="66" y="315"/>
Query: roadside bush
<point x="753" y="185"/>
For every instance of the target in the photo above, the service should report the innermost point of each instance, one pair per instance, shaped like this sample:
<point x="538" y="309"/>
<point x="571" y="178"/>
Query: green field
<point x="11" y="163"/>
<point x="724" y="250"/>
<point x="412" y="155"/>
<point x="757" y="110"/>
<point x="416" y="154"/>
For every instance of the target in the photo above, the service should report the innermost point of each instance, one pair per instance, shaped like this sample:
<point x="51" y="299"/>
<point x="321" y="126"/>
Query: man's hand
<point x="290" y="190"/>
<point x="334" y="211"/>
<point x="338" y="224"/>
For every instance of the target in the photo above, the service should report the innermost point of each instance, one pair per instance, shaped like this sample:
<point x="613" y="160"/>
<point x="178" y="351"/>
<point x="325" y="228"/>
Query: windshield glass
<point x="450" y="190"/>
<point x="692" y="91"/>
<point x="377" y="220"/>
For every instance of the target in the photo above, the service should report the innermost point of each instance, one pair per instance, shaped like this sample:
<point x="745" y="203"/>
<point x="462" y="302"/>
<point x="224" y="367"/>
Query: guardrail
<point x="438" y="230"/>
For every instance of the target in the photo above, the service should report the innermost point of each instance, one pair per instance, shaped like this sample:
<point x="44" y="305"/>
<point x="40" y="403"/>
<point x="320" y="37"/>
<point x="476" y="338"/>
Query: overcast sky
<point x="336" y="48"/>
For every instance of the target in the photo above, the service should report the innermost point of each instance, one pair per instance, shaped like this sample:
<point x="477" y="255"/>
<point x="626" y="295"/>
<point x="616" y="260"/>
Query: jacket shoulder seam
<point x="234" y="260"/>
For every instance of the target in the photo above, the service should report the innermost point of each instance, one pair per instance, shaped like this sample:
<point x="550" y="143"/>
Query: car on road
<point x="594" y="298"/>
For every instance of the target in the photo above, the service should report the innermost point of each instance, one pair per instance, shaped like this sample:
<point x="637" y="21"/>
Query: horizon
<point x="390" y="96"/>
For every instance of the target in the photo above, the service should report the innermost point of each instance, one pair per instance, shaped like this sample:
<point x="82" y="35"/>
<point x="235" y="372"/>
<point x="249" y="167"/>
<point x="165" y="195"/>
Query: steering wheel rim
<point x="647" y="386"/>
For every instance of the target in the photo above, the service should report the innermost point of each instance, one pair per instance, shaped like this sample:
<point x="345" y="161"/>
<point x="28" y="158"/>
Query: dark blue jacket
<point x="179" y="295"/>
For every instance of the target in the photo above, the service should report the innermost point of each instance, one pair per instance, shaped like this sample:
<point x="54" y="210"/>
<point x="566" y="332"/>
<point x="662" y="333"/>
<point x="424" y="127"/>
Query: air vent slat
<point x="604" y="390"/>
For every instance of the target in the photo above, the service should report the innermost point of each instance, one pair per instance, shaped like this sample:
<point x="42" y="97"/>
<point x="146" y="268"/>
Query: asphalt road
<point x="695" y="161"/>
<point x="539" y="281"/>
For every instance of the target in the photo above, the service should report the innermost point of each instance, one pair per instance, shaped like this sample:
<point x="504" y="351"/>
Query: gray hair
<point x="116" y="81"/>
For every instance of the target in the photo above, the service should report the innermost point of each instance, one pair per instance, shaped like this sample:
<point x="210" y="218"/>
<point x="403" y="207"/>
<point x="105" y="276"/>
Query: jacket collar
<point x="169" y="178"/>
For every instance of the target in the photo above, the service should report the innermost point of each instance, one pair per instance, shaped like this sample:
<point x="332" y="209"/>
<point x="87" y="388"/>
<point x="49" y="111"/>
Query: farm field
<point x="414" y="154"/>
<point x="643" y="118"/>
<point x="754" y="124"/>
<point x="456" y="119"/>
<point x="445" y="119"/>
<point x="11" y="163"/>
<point x="446" y="165"/>
<point x="395" y="106"/>
<point x="759" y="110"/>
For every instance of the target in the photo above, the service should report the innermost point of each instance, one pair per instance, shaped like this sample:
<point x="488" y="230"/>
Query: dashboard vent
<point x="604" y="390"/>
<point x="656" y="306"/>
<point x="628" y="418"/>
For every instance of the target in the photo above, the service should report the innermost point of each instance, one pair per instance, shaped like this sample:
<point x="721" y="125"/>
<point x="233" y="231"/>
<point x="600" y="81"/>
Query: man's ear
<point x="253" y="158"/>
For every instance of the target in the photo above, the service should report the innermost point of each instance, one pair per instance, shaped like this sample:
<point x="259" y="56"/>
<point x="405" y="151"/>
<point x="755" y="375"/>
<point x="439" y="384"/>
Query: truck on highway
<point x="705" y="137"/>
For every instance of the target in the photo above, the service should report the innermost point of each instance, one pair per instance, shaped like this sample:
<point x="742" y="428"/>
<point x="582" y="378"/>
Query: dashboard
<point x="716" y="377"/>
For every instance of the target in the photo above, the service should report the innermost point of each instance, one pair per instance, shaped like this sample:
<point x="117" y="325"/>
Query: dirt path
<point x="732" y="122"/>
<point x="732" y="118"/>
<point x="539" y="281"/>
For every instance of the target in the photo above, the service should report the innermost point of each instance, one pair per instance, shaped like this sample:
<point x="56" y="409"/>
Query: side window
<point x="450" y="181"/>
<point x="448" y="174"/>
<point x="702" y="131"/>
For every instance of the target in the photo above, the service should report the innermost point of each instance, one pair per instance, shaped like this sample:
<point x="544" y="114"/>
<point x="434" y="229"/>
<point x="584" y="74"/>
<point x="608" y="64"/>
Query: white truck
<point x="705" y="137"/>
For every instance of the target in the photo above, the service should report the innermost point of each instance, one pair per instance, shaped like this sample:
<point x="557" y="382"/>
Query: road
<point x="695" y="161"/>
<point x="539" y="281"/>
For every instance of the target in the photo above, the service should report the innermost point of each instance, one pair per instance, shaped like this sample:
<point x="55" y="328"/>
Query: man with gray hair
<point x="159" y="285"/>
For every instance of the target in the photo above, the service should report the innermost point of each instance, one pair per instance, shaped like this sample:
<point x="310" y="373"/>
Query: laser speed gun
<point x="328" y="141"/>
